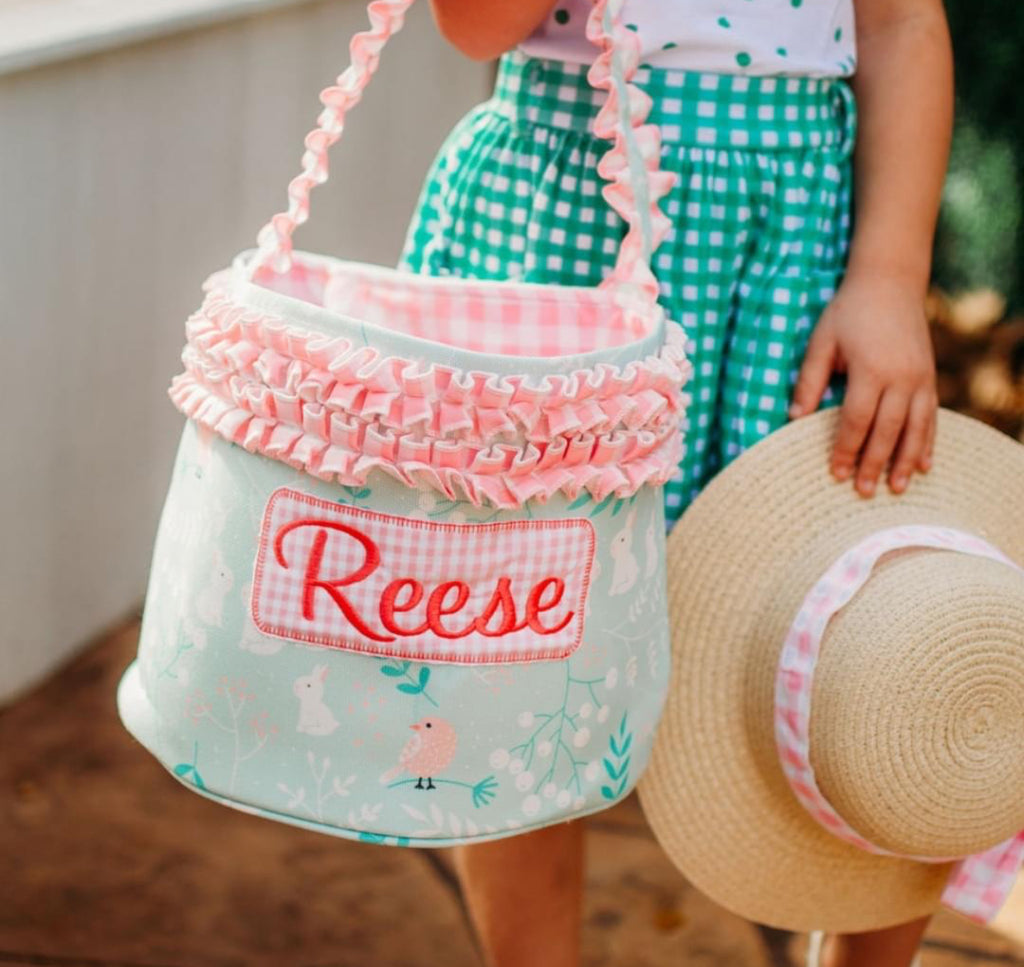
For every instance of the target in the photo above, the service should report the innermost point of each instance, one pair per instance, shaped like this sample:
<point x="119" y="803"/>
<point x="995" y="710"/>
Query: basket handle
<point x="630" y="166"/>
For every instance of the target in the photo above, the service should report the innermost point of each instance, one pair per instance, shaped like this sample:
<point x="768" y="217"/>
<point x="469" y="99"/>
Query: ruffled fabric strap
<point x="274" y="241"/>
<point x="980" y="883"/>
<point x="630" y="166"/>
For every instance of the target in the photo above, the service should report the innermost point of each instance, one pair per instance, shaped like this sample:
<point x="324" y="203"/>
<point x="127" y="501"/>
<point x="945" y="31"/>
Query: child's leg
<point x="514" y="193"/>
<point x="891" y="947"/>
<point x="525" y="895"/>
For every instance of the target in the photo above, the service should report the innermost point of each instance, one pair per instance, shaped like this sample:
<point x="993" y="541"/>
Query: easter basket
<point x="408" y="584"/>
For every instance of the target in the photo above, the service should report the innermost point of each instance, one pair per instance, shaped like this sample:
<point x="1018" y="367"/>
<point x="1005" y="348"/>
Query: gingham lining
<point x="524" y="553"/>
<point x="299" y="296"/>
<point x="981" y="882"/>
<point x="495" y="319"/>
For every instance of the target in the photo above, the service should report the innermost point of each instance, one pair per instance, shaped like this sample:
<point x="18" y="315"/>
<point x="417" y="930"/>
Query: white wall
<point x="125" y="178"/>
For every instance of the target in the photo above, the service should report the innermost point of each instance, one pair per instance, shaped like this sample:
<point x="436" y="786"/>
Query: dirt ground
<point x="107" y="861"/>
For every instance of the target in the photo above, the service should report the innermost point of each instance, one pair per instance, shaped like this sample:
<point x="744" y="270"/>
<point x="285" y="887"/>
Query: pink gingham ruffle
<point x="339" y="410"/>
<point x="634" y="188"/>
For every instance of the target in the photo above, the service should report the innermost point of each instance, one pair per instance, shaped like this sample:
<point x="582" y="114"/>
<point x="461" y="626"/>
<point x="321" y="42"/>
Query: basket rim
<point x="333" y="323"/>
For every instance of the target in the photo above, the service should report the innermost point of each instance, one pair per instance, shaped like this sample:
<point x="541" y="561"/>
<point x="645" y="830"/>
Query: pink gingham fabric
<point x="980" y="883"/>
<point x="473" y="576"/>
<point x="492" y="317"/>
<point x="482" y="315"/>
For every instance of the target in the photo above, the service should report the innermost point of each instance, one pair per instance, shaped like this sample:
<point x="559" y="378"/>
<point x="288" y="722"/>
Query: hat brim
<point x="714" y="792"/>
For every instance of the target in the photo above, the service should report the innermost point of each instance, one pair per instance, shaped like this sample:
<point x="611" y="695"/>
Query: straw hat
<point x="916" y="727"/>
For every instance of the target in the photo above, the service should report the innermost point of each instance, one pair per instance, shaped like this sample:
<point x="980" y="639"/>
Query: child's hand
<point x="875" y="327"/>
<point x="876" y="330"/>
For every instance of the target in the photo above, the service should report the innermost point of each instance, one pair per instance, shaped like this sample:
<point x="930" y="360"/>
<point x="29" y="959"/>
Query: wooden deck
<point x="107" y="862"/>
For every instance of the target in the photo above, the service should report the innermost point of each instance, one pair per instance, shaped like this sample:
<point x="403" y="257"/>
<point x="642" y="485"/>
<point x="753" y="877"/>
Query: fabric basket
<point x="408" y="585"/>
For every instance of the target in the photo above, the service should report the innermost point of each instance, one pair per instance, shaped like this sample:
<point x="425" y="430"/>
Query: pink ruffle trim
<point x="275" y="238"/>
<point x="339" y="410"/>
<point x="631" y="193"/>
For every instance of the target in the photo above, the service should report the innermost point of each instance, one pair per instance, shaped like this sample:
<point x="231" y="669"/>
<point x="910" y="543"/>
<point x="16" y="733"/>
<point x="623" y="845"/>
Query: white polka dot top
<point x="813" y="38"/>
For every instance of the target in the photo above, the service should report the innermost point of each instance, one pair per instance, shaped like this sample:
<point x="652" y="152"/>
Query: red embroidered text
<point x="350" y="578"/>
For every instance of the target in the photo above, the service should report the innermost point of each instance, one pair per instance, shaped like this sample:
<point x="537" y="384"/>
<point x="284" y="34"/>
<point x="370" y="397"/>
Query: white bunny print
<point x="252" y="638"/>
<point x="210" y="599"/>
<point x="196" y="517"/>
<point x="194" y="632"/>
<point x="315" y="718"/>
<point x="625" y="569"/>
<point x="653" y="557"/>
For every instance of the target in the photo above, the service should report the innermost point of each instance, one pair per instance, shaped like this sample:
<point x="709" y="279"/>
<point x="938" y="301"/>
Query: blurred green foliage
<point x="980" y="240"/>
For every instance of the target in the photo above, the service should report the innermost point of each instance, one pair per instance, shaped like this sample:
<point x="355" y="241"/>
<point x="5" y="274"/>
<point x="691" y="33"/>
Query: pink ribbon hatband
<point x="981" y="882"/>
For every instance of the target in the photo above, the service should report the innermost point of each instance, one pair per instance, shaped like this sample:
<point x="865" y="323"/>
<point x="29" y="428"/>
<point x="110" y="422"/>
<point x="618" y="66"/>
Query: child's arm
<point x="875" y="328"/>
<point x="483" y="29"/>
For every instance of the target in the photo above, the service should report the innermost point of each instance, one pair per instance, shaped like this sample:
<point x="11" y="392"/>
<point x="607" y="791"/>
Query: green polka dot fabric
<point x="760" y="212"/>
<point x="789" y="37"/>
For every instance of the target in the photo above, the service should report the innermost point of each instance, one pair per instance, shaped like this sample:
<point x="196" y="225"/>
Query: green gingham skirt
<point x="761" y="218"/>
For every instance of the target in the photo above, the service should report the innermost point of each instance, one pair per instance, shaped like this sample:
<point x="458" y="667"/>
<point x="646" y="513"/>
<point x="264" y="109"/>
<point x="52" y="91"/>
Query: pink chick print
<point x="429" y="751"/>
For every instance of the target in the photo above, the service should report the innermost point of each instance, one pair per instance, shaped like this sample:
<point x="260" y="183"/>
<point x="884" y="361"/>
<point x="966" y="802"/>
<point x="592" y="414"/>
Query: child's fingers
<point x="926" y="457"/>
<point x="913" y="442"/>
<point x="858" y="410"/>
<point x="814" y="372"/>
<point x="885" y="431"/>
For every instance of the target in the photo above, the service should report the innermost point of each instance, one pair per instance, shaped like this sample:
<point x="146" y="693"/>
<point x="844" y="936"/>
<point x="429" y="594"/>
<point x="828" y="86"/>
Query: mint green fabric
<point x="310" y="735"/>
<point x="761" y="216"/>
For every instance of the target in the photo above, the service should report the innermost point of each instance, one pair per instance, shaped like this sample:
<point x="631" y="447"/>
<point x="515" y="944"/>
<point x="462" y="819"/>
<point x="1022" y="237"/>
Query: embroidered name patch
<point x="344" y="577"/>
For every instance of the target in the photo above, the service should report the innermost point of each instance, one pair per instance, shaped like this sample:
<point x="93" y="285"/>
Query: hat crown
<point x="741" y="562"/>
<point x="917" y="716"/>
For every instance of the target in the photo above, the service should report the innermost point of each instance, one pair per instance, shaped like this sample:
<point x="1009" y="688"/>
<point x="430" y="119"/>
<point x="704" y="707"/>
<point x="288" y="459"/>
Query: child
<point x="787" y="305"/>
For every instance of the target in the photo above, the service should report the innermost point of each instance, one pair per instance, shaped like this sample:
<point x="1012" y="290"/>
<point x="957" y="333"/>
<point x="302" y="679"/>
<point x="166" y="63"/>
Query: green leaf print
<point x="380" y="838"/>
<point x="414" y="685"/>
<point x="481" y="792"/>
<point x="584" y="498"/>
<point x="624" y="502"/>
<point x="189" y="770"/>
<point x="484" y="791"/>
<point x="355" y="495"/>
<point x="616" y="765"/>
